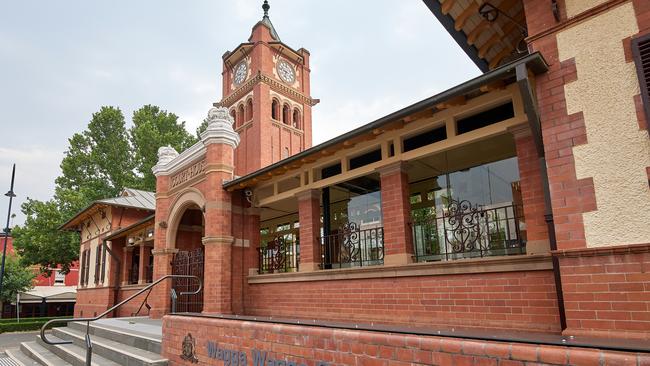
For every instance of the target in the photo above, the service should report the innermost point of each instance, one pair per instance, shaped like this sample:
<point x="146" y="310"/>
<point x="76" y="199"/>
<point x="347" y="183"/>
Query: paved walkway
<point x="13" y="340"/>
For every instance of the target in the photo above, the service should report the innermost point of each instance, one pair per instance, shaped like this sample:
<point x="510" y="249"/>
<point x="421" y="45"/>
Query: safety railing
<point x="351" y="246"/>
<point x="89" y="346"/>
<point x="282" y="254"/>
<point x="465" y="231"/>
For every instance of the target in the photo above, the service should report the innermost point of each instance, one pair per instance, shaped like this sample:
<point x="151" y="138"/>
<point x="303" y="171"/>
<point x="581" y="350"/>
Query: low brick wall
<point x="518" y="300"/>
<point x="93" y="301"/>
<point x="227" y="342"/>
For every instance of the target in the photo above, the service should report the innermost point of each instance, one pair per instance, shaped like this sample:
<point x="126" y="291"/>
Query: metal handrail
<point x="113" y="308"/>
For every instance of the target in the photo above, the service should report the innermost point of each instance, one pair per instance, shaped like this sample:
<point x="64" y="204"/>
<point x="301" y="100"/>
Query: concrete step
<point x="41" y="354"/>
<point x="116" y="351"/>
<point x="20" y="358"/>
<point x="128" y="337"/>
<point x="73" y="354"/>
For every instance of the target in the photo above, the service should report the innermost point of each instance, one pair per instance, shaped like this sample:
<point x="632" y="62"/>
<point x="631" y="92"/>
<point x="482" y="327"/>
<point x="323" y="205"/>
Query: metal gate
<point x="188" y="263"/>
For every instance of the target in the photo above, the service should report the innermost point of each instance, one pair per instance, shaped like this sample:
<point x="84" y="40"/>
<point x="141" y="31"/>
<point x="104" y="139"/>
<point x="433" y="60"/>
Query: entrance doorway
<point x="189" y="260"/>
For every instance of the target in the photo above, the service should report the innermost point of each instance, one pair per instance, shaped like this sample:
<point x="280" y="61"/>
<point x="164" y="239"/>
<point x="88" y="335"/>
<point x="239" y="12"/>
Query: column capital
<point x="211" y="240"/>
<point x="308" y="194"/>
<point x="398" y="166"/>
<point x="522" y="130"/>
<point x="164" y="251"/>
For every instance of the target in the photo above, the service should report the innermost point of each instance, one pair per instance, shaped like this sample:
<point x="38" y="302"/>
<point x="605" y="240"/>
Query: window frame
<point x="643" y="82"/>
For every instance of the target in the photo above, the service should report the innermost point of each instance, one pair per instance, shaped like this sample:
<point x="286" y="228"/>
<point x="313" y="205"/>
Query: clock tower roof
<point x="266" y="22"/>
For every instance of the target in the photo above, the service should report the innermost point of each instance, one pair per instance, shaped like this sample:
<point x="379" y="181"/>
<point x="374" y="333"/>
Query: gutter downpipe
<point x="117" y="274"/>
<point x="535" y="125"/>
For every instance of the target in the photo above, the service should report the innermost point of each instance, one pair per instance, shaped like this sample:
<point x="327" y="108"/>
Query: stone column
<point x="144" y="260"/>
<point x="220" y="141"/>
<point x="532" y="191"/>
<point x="396" y="214"/>
<point x="127" y="256"/>
<point x="309" y="216"/>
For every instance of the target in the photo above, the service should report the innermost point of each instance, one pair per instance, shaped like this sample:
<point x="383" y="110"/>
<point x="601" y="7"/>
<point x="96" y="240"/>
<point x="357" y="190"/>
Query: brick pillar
<point x="309" y="216"/>
<point x="532" y="191"/>
<point x="396" y="214"/>
<point x="144" y="260"/>
<point x="160" y="298"/>
<point x="220" y="141"/>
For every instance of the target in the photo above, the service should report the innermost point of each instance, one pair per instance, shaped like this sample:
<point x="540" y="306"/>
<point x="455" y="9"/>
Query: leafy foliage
<point x="153" y="128"/>
<point x="99" y="163"/>
<point x="17" y="278"/>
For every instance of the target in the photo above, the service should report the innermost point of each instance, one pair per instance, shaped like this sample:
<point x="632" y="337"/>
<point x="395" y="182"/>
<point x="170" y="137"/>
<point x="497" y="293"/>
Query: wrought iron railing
<point x="352" y="247"/>
<point x="280" y="255"/>
<point x="467" y="231"/>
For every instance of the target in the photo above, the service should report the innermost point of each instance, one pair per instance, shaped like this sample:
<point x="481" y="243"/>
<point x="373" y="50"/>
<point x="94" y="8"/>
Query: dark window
<point x="641" y="52"/>
<point x="98" y="261"/>
<point x="365" y="159"/>
<point x="425" y="138"/>
<point x="275" y="110"/>
<point x="83" y="268"/>
<point x="485" y="118"/>
<point x="103" y="262"/>
<point x="331" y="171"/>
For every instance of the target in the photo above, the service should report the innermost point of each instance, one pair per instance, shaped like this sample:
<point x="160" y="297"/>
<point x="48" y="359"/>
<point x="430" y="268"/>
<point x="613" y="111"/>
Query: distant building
<point x="53" y="295"/>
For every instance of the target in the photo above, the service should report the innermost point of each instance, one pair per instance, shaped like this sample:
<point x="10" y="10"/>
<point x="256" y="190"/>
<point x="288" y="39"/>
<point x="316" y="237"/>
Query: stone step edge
<point x="98" y="326"/>
<point x="95" y="339"/>
<point x="36" y="356"/>
<point x="13" y="354"/>
<point x="80" y="357"/>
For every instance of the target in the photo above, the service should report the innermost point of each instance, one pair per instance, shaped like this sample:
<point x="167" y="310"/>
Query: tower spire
<point x="266" y="8"/>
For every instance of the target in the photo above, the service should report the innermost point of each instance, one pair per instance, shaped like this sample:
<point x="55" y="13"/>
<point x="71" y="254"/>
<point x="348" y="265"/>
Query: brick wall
<point x="93" y="301"/>
<point x="607" y="291"/>
<point x="514" y="300"/>
<point x="311" y="346"/>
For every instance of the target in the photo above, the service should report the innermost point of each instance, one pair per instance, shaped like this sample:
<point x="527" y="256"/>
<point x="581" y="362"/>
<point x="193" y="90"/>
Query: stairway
<point x="115" y="342"/>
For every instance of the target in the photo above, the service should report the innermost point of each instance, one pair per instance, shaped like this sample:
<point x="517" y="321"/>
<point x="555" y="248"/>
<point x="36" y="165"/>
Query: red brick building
<point x="35" y="302"/>
<point x="518" y="200"/>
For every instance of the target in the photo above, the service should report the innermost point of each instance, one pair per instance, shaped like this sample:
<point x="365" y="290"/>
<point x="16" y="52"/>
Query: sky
<point x="60" y="61"/>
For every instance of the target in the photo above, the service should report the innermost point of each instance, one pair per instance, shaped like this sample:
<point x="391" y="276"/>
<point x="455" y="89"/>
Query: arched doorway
<point x="189" y="259"/>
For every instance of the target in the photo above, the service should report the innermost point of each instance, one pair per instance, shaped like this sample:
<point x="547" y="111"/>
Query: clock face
<point x="240" y="72"/>
<point x="286" y="72"/>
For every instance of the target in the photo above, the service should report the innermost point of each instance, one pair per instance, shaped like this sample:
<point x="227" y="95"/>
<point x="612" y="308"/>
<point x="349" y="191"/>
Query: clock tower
<point x="266" y="89"/>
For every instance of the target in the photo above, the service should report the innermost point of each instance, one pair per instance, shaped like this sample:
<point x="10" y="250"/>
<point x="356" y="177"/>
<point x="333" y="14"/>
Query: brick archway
<point x="189" y="198"/>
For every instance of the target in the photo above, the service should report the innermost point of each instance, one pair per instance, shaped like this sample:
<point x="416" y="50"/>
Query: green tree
<point x="153" y="128"/>
<point x="98" y="162"/>
<point x="17" y="278"/>
<point x="40" y="242"/>
<point x="202" y="127"/>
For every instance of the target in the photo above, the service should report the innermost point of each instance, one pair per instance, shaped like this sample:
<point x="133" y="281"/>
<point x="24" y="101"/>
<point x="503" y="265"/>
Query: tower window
<point x="233" y="114"/>
<point x="241" y="115"/>
<point x="286" y="114"/>
<point x="249" y="110"/>
<point x="275" y="109"/>
<point x="296" y="118"/>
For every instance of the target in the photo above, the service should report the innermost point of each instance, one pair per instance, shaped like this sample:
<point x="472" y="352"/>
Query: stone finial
<point x="220" y="128"/>
<point x="166" y="154"/>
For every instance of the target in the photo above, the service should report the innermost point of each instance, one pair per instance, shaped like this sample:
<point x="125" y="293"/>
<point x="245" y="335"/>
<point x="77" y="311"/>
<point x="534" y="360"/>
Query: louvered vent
<point x="641" y="52"/>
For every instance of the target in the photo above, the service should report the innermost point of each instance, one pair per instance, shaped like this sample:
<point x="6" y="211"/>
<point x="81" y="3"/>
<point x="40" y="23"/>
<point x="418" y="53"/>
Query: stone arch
<point x="190" y="197"/>
<point x="241" y="114"/>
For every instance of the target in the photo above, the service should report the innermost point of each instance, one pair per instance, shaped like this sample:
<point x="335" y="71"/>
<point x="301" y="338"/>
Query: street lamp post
<point x="11" y="196"/>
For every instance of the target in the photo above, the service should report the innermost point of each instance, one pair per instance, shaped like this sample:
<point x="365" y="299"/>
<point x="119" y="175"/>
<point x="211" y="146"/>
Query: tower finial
<point x="266" y="8"/>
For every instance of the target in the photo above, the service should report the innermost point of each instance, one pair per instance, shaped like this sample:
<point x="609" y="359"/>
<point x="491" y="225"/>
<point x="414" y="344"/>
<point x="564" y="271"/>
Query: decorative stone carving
<point x="165" y="155"/>
<point x="220" y="128"/>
